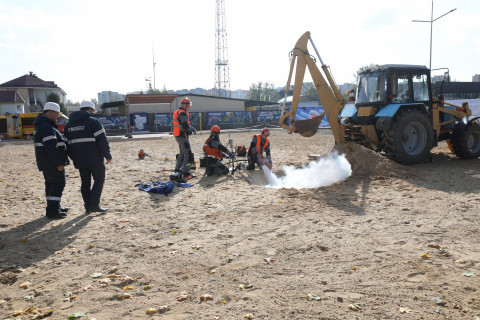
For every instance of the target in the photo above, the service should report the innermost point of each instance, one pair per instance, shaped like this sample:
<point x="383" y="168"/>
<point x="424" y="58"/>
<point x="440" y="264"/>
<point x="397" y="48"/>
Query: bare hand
<point x="60" y="168"/>
<point x="108" y="161"/>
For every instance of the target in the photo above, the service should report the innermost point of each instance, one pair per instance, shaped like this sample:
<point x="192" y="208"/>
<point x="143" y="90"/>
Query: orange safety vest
<point x="177" y="127"/>
<point x="211" y="152"/>
<point x="258" y="147"/>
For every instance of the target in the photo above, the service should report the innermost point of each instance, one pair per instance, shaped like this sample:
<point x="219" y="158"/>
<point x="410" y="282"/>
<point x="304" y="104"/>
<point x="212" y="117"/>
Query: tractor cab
<point x="379" y="86"/>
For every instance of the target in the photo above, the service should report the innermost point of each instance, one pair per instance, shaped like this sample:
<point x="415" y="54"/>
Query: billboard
<point x="114" y="122"/>
<point x="140" y="122"/>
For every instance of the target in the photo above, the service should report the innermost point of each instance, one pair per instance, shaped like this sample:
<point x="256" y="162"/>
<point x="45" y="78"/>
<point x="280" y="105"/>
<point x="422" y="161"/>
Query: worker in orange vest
<point x="182" y="130"/>
<point x="258" y="145"/>
<point x="214" y="151"/>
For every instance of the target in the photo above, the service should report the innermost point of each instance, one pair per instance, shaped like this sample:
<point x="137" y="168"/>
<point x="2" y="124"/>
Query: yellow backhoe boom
<point x="328" y="93"/>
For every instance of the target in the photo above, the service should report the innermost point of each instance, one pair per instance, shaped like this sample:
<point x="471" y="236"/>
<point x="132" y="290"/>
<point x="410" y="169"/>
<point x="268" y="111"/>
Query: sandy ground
<point x="390" y="242"/>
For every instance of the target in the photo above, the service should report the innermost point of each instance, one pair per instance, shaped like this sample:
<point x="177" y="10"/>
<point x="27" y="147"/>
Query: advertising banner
<point x="305" y="113"/>
<point x="162" y="119"/>
<point x="230" y="117"/>
<point x="140" y="121"/>
<point x="194" y="118"/>
<point x="114" y="122"/>
<point x="268" y="116"/>
<point x="214" y="118"/>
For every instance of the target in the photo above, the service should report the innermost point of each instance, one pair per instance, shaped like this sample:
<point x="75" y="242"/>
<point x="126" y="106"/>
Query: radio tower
<point x="222" y="76"/>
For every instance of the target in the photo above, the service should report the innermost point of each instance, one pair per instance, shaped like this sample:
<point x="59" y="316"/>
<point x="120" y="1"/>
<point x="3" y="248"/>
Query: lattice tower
<point x="222" y="74"/>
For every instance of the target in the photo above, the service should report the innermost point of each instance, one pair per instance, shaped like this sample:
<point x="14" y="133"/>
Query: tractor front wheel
<point x="411" y="137"/>
<point x="466" y="140"/>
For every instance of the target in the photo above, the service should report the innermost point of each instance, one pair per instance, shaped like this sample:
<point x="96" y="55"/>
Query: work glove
<point x="193" y="130"/>
<point x="189" y="131"/>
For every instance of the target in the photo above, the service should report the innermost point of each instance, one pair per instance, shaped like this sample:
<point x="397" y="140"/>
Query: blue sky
<point x="91" y="46"/>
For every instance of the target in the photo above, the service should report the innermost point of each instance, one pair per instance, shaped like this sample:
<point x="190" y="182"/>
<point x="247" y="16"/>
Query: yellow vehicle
<point x="394" y="111"/>
<point x="20" y="126"/>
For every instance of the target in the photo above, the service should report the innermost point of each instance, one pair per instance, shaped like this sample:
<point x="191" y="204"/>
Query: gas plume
<point x="323" y="172"/>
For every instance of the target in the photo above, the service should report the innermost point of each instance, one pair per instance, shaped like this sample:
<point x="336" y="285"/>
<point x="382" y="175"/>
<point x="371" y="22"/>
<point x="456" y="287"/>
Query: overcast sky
<point x="91" y="46"/>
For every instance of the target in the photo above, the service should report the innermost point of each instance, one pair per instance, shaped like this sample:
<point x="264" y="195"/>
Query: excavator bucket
<point x="308" y="128"/>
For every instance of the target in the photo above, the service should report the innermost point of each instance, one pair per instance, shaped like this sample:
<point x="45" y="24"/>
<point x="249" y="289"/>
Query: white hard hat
<point x="51" y="106"/>
<point x="87" y="104"/>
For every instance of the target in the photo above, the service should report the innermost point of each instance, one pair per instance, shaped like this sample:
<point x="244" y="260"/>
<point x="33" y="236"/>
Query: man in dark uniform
<point x="258" y="145"/>
<point x="214" y="151"/>
<point x="51" y="156"/>
<point x="87" y="147"/>
<point x="181" y="131"/>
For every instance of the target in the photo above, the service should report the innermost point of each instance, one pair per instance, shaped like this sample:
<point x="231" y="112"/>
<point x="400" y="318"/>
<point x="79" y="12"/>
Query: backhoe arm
<point x="329" y="95"/>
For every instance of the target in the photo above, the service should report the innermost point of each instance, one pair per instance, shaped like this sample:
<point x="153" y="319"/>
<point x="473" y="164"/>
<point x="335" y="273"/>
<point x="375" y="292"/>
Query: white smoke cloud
<point x="323" y="172"/>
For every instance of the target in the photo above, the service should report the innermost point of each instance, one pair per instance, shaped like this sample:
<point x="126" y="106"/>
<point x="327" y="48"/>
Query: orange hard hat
<point x="266" y="132"/>
<point x="215" y="128"/>
<point x="186" y="101"/>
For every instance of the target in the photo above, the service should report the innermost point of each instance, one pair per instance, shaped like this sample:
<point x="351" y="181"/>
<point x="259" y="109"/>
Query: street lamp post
<point x="431" y="21"/>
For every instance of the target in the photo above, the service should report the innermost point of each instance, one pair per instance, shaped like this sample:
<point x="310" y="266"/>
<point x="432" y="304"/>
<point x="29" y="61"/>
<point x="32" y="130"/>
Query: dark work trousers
<point x="183" y="156"/>
<point x="91" y="196"/>
<point x="54" y="185"/>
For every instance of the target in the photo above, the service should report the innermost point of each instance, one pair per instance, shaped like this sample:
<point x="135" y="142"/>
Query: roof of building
<point x="29" y="81"/>
<point x="11" y="96"/>
<point x="149" y="98"/>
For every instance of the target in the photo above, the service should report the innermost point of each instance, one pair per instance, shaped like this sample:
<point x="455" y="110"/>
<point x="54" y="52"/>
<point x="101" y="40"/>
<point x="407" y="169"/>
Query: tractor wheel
<point x="466" y="140"/>
<point x="411" y="137"/>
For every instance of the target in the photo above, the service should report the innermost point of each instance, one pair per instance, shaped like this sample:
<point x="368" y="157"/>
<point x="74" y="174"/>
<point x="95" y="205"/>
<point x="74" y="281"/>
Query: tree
<point x="157" y="91"/>
<point x="312" y="93"/>
<point x="53" y="97"/>
<point x="263" y="92"/>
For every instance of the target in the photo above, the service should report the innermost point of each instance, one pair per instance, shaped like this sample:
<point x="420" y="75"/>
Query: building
<point x="109" y="96"/>
<point x="34" y="91"/>
<point x="11" y="102"/>
<point x="141" y="113"/>
<point x="476" y="78"/>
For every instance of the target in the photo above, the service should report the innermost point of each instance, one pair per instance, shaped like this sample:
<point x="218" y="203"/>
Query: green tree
<point x="312" y="93"/>
<point x="157" y="91"/>
<point x="53" y="97"/>
<point x="263" y="92"/>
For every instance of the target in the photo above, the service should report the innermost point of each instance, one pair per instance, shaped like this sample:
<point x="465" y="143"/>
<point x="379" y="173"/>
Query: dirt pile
<point x="368" y="163"/>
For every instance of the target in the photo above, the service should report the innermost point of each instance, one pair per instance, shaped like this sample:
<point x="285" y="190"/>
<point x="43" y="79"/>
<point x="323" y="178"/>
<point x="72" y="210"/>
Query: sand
<point x="390" y="242"/>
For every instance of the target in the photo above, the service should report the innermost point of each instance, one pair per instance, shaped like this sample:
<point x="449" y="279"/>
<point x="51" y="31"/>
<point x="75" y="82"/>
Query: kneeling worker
<point x="258" y="145"/>
<point x="213" y="151"/>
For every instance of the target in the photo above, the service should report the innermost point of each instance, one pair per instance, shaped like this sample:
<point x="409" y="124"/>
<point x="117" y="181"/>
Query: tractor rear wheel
<point x="466" y="140"/>
<point x="411" y="137"/>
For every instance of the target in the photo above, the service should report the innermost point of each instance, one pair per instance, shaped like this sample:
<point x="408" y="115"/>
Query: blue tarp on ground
<point x="160" y="187"/>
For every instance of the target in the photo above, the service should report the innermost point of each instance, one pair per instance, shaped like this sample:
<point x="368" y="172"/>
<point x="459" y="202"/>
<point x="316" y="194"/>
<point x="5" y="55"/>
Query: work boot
<point x="56" y="216"/>
<point x="251" y="167"/>
<point x="97" y="209"/>
<point x="188" y="176"/>
<point x="64" y="210"/>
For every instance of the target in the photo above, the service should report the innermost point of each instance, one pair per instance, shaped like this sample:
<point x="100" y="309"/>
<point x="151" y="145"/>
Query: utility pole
<point x="431" y="21"/>
<point x="153" y="54"/>
<point x="222" y="75"/>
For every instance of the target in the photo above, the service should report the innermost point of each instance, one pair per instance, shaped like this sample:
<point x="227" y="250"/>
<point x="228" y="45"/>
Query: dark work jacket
<point x="86" y="140"/>
<point x="50" y="148"/>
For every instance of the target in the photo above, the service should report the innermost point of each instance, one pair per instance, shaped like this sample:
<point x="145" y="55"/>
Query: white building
<point x="109" y="96"/>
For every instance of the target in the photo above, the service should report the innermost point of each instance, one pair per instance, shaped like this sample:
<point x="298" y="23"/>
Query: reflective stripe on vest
<point x="176" y="125"/>
<point x="211" y="152"/>
<point x="81" y="140"/>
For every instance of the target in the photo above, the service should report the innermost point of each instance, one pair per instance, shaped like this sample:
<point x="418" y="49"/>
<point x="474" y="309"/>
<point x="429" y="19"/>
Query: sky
<point x="86" y="46"/>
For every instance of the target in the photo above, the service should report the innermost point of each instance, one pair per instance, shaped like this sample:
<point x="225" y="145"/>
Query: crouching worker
<point x="213" y="151"/>
<point x="258" y="145"/>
